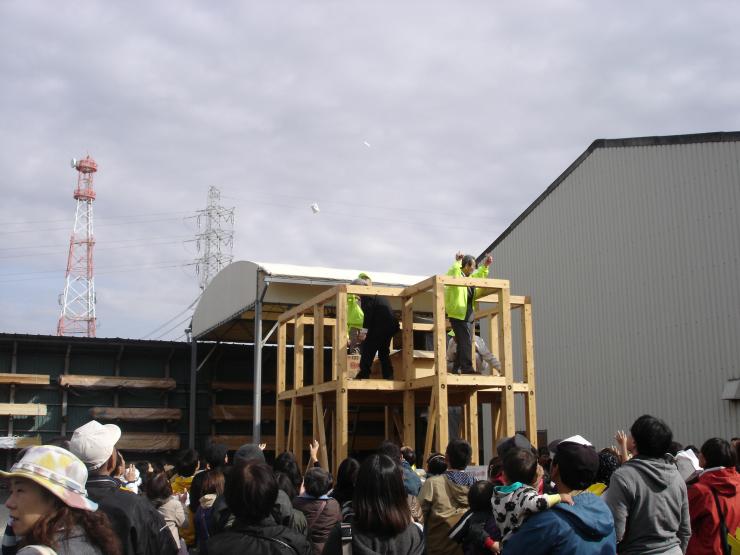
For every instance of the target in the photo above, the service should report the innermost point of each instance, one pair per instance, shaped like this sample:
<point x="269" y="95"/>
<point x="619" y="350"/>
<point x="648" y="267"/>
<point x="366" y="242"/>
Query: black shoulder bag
<point x="722" y="527"/>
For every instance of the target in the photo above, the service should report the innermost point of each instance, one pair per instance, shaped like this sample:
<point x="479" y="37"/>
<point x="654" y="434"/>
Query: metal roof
<point x="223" y="311"/>
<point x="715" y="137"/>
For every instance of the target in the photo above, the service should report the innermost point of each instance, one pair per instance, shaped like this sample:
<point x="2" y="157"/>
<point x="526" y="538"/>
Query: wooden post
<point x="471" y="431"/>
<point x="318" y="344"/>
<point x="505" y="356"/>
<point x="440" y="363"/>
<point x="280" y="443"/>
<point x="299" y="333"/>
<point x="318" y="371"/>
<point x="530" y="405"/>
<point x="291" y="427"/>
<point x="341" y="445"/>
<point x="431" y="424"/>
<point x="409" y="398"/>
<point x="493" y="335"/>
<point x="320" y="431"/>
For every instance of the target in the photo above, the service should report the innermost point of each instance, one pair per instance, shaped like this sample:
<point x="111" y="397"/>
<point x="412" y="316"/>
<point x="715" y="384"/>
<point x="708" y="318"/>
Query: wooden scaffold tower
<point x="420" y="381"/>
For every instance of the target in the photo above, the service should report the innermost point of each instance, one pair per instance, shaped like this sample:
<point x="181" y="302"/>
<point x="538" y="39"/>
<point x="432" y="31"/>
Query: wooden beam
<point x="135" y="414"/>
<point x="341" y="444"/>
<point x="480" y="283"/>
<point x="135" y="441"/>
<point x="327" y="321"/>
<point x="506" y="359"/>
<point x="22" y="410"/>
<point x="440" y="363"/>
<point x="398" y="426"/>
<point x="431" y="424"/>
<point x="24" y="379"/>
<point x="298" y="421"/>
<point x="308" y="305"/>
<point x="413" y="290"/>
<point x="530" y="405"/>
<point x="517" y="301"/>
<point x="374" y="290"/>
<point x="472" y="425"/>
<point x="409" y="408"/>
<point x="112" y="382"/>
<point x="280" y="387"/>
<point x="299" y="338"/>
<point x="320" y="431"/>
<point x="318" y="343"/>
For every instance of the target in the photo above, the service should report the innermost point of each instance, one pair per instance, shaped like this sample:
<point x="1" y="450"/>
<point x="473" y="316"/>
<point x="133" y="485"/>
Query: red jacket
<point x="703" y="509"/>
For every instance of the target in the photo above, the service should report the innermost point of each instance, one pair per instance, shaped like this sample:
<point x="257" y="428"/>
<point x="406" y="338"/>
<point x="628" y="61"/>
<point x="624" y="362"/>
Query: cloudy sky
<point x="419" y="128"/>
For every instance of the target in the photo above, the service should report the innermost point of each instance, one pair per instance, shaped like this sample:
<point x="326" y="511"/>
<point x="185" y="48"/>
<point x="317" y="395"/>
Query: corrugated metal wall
<point x="632" y="265"/>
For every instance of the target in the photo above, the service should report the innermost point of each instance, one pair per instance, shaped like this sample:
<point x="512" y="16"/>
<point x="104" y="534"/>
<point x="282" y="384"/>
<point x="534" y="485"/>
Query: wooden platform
<point x="24" y="379"/>
<point x="420" y="377"/>
<point x="115" y="382"/>
<point x="135" y="414"/>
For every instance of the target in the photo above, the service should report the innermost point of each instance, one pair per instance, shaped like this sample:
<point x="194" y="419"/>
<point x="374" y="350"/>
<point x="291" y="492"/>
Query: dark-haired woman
<point x="49" y="506"/>
<point x="719" y="484"/>
<point x="382" y="521"/>
<point x="159" y="491"/>
<point x="250" y="493"/>
<point x="211" y="486"/>
<point x="345" y="487"/>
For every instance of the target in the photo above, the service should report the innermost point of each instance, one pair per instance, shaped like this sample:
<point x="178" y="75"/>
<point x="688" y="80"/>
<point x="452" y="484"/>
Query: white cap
<point x="94" y="442"/>
<point x="580" y="440"/>
<point x="687" y="464"/>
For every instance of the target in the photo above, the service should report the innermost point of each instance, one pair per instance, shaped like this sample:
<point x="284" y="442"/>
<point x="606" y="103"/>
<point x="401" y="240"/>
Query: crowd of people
<point x="648" y="494"/>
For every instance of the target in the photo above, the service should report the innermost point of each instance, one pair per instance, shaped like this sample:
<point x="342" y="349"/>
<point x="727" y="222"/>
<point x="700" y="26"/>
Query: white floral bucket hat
<point x="56" y="470"/>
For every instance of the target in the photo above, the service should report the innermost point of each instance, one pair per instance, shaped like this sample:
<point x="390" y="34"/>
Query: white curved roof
<point x="233" y="291"/>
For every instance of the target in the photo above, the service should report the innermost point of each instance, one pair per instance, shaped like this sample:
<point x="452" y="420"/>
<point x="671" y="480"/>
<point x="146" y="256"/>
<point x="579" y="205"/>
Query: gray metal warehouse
<point x="631" y="258"/>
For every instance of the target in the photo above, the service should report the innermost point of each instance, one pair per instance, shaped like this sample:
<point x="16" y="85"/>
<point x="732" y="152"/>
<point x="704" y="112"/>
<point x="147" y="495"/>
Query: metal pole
<point x="257" y="405"/>
<point x="193" y="388"/>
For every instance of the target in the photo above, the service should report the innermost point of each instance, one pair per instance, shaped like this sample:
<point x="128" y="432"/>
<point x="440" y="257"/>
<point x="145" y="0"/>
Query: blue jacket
<point x="586" y="528"/>
<point x="411" y="480"/>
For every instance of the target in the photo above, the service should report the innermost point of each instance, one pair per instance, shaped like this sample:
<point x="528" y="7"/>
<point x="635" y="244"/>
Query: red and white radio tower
<point x="78" y="300"/>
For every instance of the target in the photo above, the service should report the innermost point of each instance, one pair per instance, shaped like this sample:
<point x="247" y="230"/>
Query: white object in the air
<point x="315" y="208"/>
<point x="366" y="144"/>
<point x="73" y="163"/>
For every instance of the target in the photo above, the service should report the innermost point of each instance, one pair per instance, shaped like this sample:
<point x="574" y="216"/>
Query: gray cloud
<point x="471" y="110"/>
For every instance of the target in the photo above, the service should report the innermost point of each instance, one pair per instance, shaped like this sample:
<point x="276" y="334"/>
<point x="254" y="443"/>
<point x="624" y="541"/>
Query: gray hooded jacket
<point x="648" y="500"/>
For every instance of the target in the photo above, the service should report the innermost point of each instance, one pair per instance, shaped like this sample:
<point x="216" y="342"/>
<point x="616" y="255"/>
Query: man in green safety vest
<point x="459" y="303"/>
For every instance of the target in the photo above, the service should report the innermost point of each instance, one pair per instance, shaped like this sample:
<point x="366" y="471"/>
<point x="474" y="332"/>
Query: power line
<point x="120" y="271"/>
<point x="180" y="323"/>
<point x="62" y="271"/>
<point x="109" y="218"/>
<point x="104" y="223"/>
<point x="155" y="330"/>
<point x="56" y="246"/>
<point x="105" y="248"/>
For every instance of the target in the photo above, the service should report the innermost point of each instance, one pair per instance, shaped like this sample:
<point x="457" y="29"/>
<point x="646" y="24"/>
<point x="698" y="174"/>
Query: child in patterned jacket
<point x="518" y="499"/>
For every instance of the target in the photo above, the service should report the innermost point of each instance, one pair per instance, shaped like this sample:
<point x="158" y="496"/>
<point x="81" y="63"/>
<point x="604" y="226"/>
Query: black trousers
<point x="380" y="344"/>
<point x="464" y="338"/>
